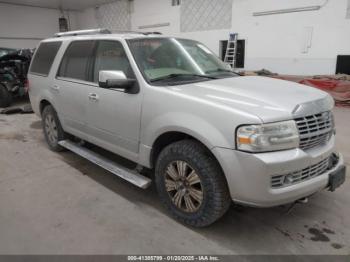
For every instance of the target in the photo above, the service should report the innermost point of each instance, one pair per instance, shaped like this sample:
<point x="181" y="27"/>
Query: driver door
<point x="113" y="115"/>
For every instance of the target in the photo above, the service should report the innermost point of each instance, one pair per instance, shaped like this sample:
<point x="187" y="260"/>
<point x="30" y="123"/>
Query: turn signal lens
<point x="244" y="140"/>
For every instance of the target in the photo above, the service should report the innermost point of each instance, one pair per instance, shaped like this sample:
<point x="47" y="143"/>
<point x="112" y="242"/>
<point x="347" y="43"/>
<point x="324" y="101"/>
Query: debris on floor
<point x="23" y="109"/>
<point x="338" y="86"/>
<point x="262" y="72"/>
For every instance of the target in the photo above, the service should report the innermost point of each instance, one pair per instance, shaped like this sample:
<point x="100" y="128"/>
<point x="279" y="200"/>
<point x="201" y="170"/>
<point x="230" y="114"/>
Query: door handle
<point x="93" y="97"/>
<point x="55" y="88"/>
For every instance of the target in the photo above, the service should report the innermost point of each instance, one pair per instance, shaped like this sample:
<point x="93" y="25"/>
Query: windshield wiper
<point x="171" y="76"/>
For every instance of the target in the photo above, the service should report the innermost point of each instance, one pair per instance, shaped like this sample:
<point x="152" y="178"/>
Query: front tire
<point x="52" y="129"/>
<point x="5" y="96"/>
<point x="191" y="183"/>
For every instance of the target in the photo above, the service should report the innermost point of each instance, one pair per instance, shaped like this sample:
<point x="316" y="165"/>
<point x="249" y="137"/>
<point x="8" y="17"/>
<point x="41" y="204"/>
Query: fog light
<point x="333" y="160"/>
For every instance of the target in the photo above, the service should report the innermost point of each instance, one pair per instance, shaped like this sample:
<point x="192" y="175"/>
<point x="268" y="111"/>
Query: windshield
<point x="177" y="60"/>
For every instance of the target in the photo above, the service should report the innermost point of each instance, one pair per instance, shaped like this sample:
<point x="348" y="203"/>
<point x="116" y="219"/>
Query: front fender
<point x="187" y="123"/>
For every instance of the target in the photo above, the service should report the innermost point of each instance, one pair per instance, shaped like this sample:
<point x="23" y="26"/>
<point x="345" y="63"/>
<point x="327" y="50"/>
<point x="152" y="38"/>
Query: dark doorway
<point x="343" y="64"/>
<point x="240" y="52"/>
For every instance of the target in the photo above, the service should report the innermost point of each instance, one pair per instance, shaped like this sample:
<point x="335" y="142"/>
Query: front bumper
<point x="249" y="175"/>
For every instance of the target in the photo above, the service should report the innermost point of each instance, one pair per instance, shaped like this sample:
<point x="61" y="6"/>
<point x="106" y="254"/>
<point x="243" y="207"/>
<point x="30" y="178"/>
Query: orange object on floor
<point x="338" y="88"/>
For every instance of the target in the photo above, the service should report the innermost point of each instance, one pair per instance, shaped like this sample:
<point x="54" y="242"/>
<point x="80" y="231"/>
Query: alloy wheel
<point x="51" y="129"/>
<point x="183" y="186"/>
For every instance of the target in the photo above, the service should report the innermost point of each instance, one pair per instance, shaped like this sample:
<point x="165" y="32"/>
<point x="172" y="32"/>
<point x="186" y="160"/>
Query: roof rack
<point x="84" y="32"/>
<point x="101" y="31"/>
<point x="152" y="33"/>
<point x="136" y="32"/>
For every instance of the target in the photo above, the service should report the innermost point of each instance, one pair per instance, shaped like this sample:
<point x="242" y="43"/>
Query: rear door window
<point x="44" y="57"/>
<point x="76" y="62"/>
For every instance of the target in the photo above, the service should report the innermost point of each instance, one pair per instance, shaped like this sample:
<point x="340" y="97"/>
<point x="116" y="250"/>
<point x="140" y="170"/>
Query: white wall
<point x="20" y="22"/>
<point x="156" y="12"/>
<point x="87" y="19"/>
<point x="273" y="42"/>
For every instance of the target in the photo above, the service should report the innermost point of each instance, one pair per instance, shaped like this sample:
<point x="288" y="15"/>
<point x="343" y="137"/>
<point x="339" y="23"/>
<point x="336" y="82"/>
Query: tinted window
<point x="75" y="62"/>
<point x="44" y="58"/>
<point x="110" y="55"/>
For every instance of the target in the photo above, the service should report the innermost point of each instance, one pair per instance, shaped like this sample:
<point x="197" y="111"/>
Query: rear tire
<point x="191" y="183"/>
<point x="52" y="128"/>
<point x="5" y="96"/>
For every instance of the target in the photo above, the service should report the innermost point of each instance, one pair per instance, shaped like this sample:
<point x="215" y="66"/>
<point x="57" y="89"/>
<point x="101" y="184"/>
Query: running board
<point x="127" y="174"/>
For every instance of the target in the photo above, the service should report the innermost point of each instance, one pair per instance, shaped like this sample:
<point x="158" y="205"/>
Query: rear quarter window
<point x="44" y="57"/>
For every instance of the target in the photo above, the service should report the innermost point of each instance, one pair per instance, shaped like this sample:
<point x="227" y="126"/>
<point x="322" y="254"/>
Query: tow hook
<point x="303" y="200"/>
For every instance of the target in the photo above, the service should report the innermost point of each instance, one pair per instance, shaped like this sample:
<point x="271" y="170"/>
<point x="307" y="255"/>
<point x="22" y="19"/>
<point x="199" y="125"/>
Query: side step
<point x="129" y="175"/>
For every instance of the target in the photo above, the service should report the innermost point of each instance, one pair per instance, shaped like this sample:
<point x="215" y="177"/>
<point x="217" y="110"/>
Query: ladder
<point x="231" y="50"/>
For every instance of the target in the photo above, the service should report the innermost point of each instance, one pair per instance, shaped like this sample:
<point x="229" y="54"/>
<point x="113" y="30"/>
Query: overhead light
<point x="289" y="10"/>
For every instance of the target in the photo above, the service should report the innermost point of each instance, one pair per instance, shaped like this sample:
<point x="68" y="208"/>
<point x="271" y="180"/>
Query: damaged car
<point x="14" y="64"/>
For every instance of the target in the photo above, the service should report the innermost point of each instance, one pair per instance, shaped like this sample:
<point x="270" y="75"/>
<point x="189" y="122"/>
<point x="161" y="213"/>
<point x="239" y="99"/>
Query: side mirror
<point x="117" y="80"/>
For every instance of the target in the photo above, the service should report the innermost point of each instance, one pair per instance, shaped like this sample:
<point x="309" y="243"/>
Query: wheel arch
<point x="166" y="139"/>
<point x="43" y="103"/>
<point x="170" y="137"/>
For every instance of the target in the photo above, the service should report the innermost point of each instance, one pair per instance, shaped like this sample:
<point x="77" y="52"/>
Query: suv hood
<point x="267" y="98"/>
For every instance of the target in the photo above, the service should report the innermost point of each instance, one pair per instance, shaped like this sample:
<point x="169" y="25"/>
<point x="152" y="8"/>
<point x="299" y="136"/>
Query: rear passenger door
<point x="114" y="116"/>
<point x="72" y="86"/>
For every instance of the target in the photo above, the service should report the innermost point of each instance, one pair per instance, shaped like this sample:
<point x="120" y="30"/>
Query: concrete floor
<point x="54" y="203"/>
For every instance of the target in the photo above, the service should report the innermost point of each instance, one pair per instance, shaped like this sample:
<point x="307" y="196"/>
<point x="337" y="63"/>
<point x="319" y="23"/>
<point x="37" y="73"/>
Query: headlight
<point x="268" y="137"/>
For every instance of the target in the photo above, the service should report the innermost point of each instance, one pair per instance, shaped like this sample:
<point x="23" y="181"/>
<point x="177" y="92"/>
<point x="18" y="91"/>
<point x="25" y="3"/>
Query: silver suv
<point x="170" y="105"/>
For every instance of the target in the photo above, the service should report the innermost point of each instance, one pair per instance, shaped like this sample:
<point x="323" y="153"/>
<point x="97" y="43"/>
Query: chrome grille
<point x="315" y="170"/>
<point x="315" y="130"/>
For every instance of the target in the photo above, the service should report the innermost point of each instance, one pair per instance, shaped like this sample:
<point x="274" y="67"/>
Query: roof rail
<point x="152" y="33"/>
<point x="124" y="32"/>
<point x="84" y="32"/>
<point x="135" y="32"/>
